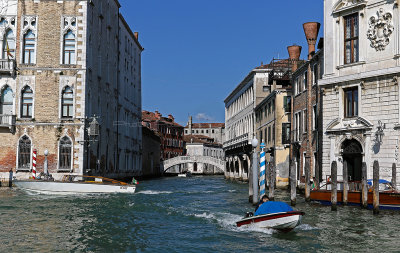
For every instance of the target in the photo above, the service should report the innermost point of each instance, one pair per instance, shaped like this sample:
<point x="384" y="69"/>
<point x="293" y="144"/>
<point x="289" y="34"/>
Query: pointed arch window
<point x="26" y="102"/>
<point x="69" y="52"/>
<point x="6" y="101"/>
<point x="67" y="103"/>
<point x="29" y="47"/>
<point x="65" y="154"/>
<point x="24" y="153"/>
<point x="9" y="45"/>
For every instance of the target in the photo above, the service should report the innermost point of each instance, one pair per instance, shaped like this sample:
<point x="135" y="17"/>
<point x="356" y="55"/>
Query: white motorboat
<point x="273" y="214"/>
<point x="185" y="174"/>
<point x="76" y="184"/>
<point x="284" y="221"/>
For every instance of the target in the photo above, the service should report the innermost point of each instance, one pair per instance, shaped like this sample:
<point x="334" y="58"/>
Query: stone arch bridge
<point x="217" y="163"/>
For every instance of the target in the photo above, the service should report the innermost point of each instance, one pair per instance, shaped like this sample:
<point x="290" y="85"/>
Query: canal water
<point x="195" y="214"/>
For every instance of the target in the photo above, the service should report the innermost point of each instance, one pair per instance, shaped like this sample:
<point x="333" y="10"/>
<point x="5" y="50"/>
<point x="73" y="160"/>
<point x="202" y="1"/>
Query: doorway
<point x="352" y="154"/>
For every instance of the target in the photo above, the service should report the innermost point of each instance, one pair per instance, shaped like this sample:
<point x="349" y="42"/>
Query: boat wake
<point x="305" y="227"/>
<point x="150" y="192"/>
<point x="228" y="221"/>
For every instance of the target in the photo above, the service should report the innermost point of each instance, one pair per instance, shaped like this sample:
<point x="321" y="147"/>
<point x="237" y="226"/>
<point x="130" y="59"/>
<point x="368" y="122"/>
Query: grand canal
<point x="181" y="215"/>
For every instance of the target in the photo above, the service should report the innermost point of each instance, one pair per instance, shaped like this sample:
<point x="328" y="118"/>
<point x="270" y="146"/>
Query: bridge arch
<point x="195" y="160"/>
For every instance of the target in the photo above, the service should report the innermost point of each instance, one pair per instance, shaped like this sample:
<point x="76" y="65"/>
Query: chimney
<point x="294" y="55"/>
<point x="190" y="124"/>
<point x="171" y="117"/>
<point x="158" y="115"/>
<point x="136" y="34"/>
<point x="311" y="30"/>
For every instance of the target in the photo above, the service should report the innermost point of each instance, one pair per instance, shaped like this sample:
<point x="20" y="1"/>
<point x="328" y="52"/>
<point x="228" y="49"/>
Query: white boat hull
<point x="285" y="221"/>
<point x="63" y="188"/>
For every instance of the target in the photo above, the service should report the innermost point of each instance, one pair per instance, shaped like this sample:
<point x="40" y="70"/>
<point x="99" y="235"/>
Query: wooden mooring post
<point x="394" y="175"/>
<point x="272" y="179"/>
<point x="364" y="186"/>
<point x="376" y="187"/>
<point x="292" y="184"/>
<point x="345" y="183"/>
<point x="307" y="183"/>
<point x="334" y="186"/>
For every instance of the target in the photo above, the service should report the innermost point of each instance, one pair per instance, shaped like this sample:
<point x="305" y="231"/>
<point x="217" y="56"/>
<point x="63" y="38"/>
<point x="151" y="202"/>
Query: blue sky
<point x="197" y="52"/>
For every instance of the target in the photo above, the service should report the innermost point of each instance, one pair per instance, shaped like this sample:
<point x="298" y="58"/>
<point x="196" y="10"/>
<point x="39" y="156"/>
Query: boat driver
<point x="262" y="201"/>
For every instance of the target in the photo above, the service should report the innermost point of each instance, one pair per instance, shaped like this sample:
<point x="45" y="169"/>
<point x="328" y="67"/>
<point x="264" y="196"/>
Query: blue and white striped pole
<point x="262" y="170"/>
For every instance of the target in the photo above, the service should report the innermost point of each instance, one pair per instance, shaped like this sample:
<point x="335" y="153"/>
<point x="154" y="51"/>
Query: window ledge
<point x="26" y="119"/>
<point x="23" y="170"/>
<point x="350" y="65"/>
<point x="67" y="119"/>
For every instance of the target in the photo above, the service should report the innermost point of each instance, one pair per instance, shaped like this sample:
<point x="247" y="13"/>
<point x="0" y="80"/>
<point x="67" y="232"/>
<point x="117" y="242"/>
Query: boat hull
<point x="285" y="221"/>
<point x="63" y="188"/>
<point x="387" y="200"/>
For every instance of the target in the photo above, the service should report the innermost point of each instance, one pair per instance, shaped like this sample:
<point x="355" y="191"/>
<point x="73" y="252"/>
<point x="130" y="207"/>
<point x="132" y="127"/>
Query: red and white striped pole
<point x="34" y="164"/>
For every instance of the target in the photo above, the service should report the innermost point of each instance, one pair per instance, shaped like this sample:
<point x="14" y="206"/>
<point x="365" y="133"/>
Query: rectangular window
<point x="300" y="123"/>
<point x="266" y="135"/>
<point x="315" y="123"/>
<point x="351" y="102"/>
<point x="305" y="121"/>
<point x="287" y="103"/>
<point x="267" y="89"/>
<point x="315" y="70"/>
<point x="269" y="134"/>
<point x="285" y="133"/>
<point x="351" y="43"/>
<point x="305" y="80"/>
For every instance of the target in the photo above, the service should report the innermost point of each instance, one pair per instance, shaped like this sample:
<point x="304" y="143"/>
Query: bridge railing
<point x="202" y="159"/>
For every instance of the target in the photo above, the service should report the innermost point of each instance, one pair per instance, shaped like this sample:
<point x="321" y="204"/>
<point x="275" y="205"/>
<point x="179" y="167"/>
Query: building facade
<point x="213" y="130"/>
<point x="170" y="132"/>
<point x="360" y="86"/>
<point x="151" y="153"/>
<point x="200" y="145"/>
<point x="306" y="139"/>
<point x="66" y="54"/>
<point x="240" y="121"/>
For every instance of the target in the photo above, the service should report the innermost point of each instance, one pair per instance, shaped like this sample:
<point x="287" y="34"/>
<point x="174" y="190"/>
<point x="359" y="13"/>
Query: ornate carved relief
<point x="69" y="23"/>
<point x="29" y="23"/>
<point x="347" y="4"/>
<point x="3" y="7"/>
<point x="380" y="29"/>
<point x="6" y="23"/>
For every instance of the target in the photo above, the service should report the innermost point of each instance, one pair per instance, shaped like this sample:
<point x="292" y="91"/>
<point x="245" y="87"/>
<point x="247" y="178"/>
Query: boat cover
<point x="273" y="207"/>
<point x="381" y="181"/>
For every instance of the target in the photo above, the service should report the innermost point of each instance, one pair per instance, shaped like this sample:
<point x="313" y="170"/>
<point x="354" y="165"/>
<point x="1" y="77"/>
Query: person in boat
<point x="262" y="201"/>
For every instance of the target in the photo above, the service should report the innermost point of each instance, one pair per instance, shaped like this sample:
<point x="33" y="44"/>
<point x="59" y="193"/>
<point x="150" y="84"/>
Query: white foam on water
<point x="305" y="227"/>
<point x="231" y="190"/>
<point x="228" y="221"/>
<point x="150" y="192"/>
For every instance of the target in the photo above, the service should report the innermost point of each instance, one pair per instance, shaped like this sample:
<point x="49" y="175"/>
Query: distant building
<point x="151" y="153"/>
<point x="272" y="124"/>
<point x="200" y="145"/>
<point x="213" y="130"/>
<point x="170" y="132"/>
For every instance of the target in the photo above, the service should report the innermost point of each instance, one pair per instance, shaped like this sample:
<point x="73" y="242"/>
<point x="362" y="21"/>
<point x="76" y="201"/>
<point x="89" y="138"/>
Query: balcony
<point x="7" y="121"/>
<point x="7" y="66"/>
<point x="242" y="140"/>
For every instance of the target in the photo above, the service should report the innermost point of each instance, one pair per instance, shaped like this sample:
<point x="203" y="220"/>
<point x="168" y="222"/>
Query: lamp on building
<point x="379" y="132"/>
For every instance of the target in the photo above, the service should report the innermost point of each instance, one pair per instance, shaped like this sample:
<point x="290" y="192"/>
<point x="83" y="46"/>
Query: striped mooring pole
<point x="34" y="164"/>
<point x="262" y="170"/>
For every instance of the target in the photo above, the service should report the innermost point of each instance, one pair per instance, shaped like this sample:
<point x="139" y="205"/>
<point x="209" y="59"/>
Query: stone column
<point x="367" y="153"/>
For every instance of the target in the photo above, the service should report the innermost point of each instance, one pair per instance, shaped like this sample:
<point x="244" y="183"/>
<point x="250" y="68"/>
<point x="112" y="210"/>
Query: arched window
<point x="6" y="101"/>
<point x="67" y="103"/>
<point x="29" y="48"/>
<point x="69" y="48"/>
<point x="24" y="153"/>
<point x="65" y="154"/>
<point x="26" y="102"/>
<point x="9" y="44"/>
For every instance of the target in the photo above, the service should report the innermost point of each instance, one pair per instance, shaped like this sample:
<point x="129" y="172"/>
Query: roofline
<point x="243" y="82"/>
<point x="130" y="31"/>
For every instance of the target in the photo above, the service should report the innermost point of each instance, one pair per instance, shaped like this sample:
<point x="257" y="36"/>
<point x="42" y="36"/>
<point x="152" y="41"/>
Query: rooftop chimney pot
<point x="311" y="30"/>
<point x="136" y="34"/>
<point x="294" y="55"/>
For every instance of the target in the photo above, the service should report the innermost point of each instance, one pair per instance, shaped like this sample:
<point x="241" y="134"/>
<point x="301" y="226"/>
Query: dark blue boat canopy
<point x="273" y="207"/>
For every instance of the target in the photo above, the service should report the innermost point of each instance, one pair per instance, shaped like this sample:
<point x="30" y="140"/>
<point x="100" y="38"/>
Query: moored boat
<point x="72" y="184"/>
<point x="388" y="198"/>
